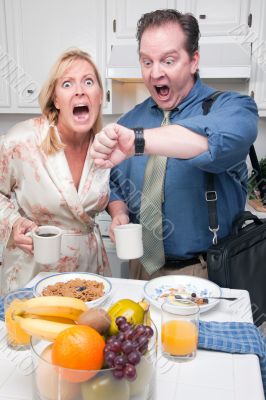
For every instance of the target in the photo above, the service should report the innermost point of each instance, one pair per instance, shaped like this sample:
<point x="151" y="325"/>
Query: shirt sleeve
<point x="116" y="192"/>
<point x="231" y="128"/>
<point x="8" y="209"/>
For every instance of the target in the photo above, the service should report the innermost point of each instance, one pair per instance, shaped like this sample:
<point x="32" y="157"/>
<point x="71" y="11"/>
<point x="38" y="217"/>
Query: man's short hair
<point x="187" y="22"/>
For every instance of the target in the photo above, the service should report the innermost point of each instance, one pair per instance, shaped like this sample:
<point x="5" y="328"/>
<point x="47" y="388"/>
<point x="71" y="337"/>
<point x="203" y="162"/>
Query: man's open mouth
<point x="162" y="90"/>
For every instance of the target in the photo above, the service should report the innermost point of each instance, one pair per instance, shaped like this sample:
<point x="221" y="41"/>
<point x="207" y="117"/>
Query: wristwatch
<point x="139" y="141"/>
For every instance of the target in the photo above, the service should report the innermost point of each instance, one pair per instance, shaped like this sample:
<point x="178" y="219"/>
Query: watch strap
<point x="139" y="141"/>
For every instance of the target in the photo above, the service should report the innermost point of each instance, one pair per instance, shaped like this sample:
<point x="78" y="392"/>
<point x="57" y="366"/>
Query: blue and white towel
<point x="234" y="337"/>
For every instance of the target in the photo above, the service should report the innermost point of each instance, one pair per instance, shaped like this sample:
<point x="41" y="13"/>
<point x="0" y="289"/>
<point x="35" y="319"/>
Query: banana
<point x="40" y="328"/>
<point x="49" y="318"/>
<point x="52" y="306"/>
<point x="147" y="315"/>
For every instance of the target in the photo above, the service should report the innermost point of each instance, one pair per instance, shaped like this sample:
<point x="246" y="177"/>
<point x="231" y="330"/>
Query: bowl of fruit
<point x="83" y="353"/>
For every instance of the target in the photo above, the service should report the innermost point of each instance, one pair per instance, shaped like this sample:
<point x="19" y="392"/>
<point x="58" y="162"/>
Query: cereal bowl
<point x="92" y="288"/>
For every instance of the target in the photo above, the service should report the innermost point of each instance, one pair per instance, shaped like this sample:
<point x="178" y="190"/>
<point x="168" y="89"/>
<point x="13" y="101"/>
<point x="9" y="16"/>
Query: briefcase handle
<point x="243" y="218"/>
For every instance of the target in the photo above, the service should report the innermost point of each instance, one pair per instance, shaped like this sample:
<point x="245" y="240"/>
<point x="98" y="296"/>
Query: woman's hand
<point x="120" y="219"/>
<point x="19" y="230"/>
<point x="112" y="145"/>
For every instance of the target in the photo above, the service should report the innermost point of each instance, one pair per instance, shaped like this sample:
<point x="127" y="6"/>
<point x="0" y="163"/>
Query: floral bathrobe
<point x="44" y="192"/>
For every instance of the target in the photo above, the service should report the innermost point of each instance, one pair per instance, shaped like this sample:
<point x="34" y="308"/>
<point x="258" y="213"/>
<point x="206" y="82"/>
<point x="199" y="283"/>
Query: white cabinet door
<point x="5" y="60"/>
<point x="122" y="17"/>
<point x="218" y="17"/>
<point x="42" y="30"/>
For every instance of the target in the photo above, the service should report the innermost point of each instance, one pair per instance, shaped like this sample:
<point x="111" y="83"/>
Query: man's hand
<point x="120" y="219"/>
<point x="19" y="230"/>
<point x="112" y="145"/>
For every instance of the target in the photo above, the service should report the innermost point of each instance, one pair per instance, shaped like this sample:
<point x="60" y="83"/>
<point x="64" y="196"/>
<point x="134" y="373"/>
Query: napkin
<point x="234" y="337"/>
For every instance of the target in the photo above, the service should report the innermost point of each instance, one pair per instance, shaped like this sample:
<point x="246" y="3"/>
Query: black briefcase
<point x="238" y="261"/>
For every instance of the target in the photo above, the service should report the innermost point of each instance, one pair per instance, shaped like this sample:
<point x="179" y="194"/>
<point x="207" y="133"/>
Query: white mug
<point x="46" y="243"/>
<point x="128" y="240"/>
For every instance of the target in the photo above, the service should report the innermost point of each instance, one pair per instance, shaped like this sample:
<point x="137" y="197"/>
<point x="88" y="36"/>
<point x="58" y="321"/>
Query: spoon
<point x="188" y="297"/>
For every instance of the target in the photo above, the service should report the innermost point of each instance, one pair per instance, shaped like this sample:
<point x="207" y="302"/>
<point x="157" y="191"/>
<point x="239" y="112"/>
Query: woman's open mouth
<point x="81" y="112"/>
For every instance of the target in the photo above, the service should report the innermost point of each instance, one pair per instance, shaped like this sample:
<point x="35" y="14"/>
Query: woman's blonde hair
<point x="51" y="143"/>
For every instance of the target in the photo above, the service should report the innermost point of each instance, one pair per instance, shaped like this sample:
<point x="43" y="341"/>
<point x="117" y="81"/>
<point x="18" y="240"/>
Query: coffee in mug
<point x="46" y="234"/>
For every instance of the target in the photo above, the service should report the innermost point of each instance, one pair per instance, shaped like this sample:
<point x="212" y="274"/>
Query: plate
<point x="67" y="276"/>
<point x="157" y="290"/>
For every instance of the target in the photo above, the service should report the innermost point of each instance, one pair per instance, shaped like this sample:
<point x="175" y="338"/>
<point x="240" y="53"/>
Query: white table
<point x="210" y="376"/>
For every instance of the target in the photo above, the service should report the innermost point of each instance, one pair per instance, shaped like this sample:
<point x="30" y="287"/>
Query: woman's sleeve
<point x="8" y="208"/>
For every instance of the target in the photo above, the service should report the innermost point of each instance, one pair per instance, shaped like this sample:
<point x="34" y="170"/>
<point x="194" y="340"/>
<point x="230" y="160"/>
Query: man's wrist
<point x="139" y="141"/>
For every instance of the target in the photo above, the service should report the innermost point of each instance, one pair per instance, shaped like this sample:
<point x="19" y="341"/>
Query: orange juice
<point x="179" y="337"/>
<point x="15" y="335"/>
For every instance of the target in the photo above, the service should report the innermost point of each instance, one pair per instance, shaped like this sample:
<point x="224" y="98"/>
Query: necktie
<point x="151" y="210"/>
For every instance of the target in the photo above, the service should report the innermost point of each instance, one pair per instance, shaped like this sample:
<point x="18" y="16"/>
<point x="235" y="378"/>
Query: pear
<point x="105" y="386"/>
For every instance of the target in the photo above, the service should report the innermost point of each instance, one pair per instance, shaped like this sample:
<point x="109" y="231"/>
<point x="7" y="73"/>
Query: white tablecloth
<point x="210" y="376"/>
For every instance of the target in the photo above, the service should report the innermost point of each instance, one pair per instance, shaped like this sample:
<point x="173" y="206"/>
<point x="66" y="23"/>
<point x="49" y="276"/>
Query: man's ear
<point x="195" y="62"/>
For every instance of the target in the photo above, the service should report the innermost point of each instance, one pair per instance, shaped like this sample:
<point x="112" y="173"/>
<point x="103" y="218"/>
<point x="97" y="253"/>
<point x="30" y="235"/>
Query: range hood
<point x="221" y="57"/>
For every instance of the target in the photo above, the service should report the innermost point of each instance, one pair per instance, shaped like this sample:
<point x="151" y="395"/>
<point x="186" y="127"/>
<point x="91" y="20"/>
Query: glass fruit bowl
<point x="51" y="382"/>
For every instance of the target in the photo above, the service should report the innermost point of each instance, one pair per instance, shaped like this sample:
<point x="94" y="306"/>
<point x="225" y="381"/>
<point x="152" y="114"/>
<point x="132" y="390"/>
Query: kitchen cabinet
<point x="4" y="60"/>
<point x="39" y="31"/>
<point x="258" y="76"/>
<point x="216" y="18"/>
<point x="123" y="15"/>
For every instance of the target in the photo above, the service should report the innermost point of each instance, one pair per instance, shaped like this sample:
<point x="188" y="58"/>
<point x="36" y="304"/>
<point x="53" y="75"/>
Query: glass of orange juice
<point x="179" y="330"/>
<point x="16" y="337"/>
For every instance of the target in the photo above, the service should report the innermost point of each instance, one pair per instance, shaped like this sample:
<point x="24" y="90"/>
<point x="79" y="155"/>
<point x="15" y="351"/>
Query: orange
<point x="78" y="348"/>
<point x="179" y="337"/>
<point x="15" y="335"/>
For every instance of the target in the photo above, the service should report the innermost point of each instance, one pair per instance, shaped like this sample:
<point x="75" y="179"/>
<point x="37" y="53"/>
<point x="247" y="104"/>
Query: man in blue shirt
<point x="194" y="144"/>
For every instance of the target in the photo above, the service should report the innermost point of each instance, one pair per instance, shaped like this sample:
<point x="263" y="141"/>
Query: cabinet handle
<point x="30" y="91"/>
<point x="114" y="25"/>
<point x="202" y="16"/>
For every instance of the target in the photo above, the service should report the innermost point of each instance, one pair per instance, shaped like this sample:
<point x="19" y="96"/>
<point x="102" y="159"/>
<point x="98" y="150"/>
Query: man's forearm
<point x="117" y="207"/>
<point x="174" y="141"/>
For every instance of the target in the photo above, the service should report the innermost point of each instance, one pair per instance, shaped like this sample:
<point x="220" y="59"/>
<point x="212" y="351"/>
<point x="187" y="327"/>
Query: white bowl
<point x="160" y="289"/>
<point x="67" y="276"/>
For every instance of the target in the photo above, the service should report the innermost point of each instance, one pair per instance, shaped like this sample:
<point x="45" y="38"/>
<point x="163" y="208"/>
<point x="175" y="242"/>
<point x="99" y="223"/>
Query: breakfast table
<point x="211" y="375"/>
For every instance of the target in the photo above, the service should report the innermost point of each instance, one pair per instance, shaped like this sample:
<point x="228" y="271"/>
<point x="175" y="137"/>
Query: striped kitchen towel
<point x="234" y="337"/>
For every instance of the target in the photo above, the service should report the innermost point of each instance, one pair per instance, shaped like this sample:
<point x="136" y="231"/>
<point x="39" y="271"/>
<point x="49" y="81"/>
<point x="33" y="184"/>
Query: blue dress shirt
<point x="231" y="128"/>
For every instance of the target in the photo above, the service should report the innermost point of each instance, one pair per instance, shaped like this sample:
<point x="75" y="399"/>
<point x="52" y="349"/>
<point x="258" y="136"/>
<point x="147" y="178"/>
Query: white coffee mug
<point x="128" y="240"/>
<point x="46" y="244"/>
